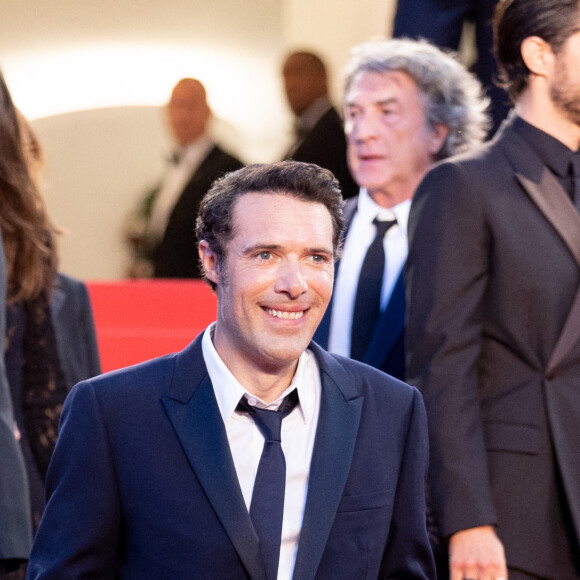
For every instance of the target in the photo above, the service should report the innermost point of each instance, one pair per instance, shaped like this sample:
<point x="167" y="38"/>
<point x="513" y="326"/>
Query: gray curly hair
<point x="451" y="95"/>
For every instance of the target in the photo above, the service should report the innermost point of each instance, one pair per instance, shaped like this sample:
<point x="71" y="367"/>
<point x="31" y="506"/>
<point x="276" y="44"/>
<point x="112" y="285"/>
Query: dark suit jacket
<point x="325" y="145"/>
<point x="491" y="279"/>
<point x="176" y="255"/>
<point x="15" y="530"/>
<point x="386" y="350"/>
<point x="74" y="328"/>
<point x="142" y="483"/>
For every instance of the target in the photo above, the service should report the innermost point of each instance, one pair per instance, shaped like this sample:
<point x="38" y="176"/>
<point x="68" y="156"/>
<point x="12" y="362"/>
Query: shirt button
<point x="252" y="401"/>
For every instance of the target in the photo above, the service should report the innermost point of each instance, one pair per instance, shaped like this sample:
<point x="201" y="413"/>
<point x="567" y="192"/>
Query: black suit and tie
<point x="493" y="340"/>
<point x="385" y="347"/>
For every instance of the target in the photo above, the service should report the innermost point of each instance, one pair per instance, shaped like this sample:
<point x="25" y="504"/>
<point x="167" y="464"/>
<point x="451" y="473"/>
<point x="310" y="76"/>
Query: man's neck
<point x="538" y="110"/>
<point x="266" y="380"/>
<point x="392" y="196"/>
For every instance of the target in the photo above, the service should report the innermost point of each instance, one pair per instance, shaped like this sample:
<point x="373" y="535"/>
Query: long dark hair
<point x="27" y="231"/>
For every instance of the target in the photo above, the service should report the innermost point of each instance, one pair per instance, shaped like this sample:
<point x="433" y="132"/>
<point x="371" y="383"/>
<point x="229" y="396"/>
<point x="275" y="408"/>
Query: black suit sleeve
<point x="447" y="276"/>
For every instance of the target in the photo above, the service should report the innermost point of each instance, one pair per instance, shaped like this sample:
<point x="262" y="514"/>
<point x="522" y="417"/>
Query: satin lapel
<point x="194" y="413"/>
<point x="338" y="421"/>
<point x="553" y="202"/>
<point x="555" y="205"/>
<point x="389" y="327"/>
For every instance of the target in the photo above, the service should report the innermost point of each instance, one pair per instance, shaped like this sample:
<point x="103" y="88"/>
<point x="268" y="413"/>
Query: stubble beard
<point x="565" y="94"/>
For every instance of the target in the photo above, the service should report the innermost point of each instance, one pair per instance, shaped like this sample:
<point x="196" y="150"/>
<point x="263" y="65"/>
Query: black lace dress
<point x="38" y="389"/>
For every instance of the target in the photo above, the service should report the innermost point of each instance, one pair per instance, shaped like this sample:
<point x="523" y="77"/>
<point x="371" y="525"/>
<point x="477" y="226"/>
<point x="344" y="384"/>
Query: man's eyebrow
<point x="320" y="251"/>
<point x="380" y="103"/>
<point x="257" y="247"/>
<point x="265" y="247"/>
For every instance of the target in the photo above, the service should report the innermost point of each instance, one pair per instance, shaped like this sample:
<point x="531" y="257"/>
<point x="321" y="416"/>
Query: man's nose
<point x="364" y="127"/>
<point x="291" y="279"/>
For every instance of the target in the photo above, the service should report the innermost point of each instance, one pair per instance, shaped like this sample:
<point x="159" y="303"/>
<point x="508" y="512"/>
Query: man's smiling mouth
<point x="285" y="315"/>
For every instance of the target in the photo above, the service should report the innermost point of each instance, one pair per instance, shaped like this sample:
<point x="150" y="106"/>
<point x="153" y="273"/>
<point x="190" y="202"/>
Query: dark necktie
<point x="267" y="506"/>
<point x="367" y="305"/>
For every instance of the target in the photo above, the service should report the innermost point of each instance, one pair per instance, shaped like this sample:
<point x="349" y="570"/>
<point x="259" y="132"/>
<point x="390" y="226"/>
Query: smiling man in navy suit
<point x="166" y="471"/>
<point x="406" y="105"/>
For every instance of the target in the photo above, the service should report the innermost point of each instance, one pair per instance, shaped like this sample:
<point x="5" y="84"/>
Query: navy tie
<point x="367" y="305"/>
<point x="267" y="506"/>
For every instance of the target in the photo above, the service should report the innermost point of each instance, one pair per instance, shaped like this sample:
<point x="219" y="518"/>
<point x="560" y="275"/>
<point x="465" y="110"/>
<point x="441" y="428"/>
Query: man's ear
<point x="209" y="261"/>
<point x="437" y="137"/>
<point x="537" y="55"/>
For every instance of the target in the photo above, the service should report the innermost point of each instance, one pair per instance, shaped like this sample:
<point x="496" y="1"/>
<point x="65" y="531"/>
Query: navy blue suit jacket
<point x="386" y="350"/>
<point x="142" y="483"/>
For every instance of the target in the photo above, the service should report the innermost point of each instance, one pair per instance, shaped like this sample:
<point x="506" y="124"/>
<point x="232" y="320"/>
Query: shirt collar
<point x="229" y="391"/>
<point x="550" y="150"/>
<point x="368" y="210"/>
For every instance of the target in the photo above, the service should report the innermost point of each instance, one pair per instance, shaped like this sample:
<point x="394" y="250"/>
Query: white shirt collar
<point x="229" y="391"/>
<point x="368" y="210"/>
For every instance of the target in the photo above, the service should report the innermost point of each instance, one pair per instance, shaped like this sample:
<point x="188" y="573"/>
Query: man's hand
<point x="477" y="554"/>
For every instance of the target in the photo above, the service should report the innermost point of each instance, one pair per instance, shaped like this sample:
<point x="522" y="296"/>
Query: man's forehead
<point x="378" y="82"/>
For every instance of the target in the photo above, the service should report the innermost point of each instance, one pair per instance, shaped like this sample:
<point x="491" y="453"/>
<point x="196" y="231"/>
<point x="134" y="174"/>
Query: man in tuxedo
<point x="493" y="324"/>
<point x="406" y="105"/>
<point x="253" y="453"/>
<point x="319" y="133"/>
<point x="163" y="239"/>
<point x="15" y="529"/>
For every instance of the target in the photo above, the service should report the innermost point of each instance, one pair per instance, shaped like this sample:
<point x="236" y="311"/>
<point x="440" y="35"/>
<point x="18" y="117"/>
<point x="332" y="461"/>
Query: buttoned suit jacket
<point x="386" y="349"/>
<point x="492" y="274"/>
<point x="325" y="145"/>
<point x="74" y="329"/>
<point x="15" y="529"/>
<point x="142" y="483"/>
<point x="176" y="255"/>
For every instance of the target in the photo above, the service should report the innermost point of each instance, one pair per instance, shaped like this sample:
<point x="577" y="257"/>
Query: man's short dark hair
<point x="515" y="20"/>
<point x="303" y="181"/>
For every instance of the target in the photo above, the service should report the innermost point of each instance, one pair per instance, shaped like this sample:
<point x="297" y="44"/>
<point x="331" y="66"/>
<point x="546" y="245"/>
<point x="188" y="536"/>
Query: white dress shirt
<point x="360" y="236"/>
<point x="174" y="181"/>
<point x="246" y="441"/>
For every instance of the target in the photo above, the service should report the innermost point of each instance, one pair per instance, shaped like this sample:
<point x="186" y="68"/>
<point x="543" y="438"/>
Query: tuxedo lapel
<point x="389" y="327"/>
<point x="547" y="194"/>
<point x="194" y="413"/>
<point x="552" y="200"/>
<point x="338" y="421"/>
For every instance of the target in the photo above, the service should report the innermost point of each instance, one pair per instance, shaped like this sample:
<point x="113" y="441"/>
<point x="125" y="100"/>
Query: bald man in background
<point x="162" y="234"/>
<point x="319" y="131"/>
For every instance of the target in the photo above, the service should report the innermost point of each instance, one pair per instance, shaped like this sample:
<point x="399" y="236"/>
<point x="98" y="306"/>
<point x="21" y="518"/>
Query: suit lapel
<point x="547" y="194"/>
<point x="194" y="413"/>
<point x="340" y="411"/>
<point x="389" y="327"/>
